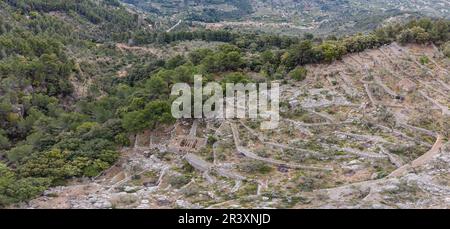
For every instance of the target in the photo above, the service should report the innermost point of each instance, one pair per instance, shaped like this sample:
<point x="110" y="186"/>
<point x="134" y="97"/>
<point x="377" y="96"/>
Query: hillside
<point x="352" y="136"/>
<point x="85" y="104"/>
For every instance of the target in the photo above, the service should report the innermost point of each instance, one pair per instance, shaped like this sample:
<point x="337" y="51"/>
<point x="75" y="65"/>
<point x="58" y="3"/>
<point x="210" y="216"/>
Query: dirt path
<point x="421" y="160"/>
<point x="252" y="155"/>
<point x="175" y="26"/>
<point x="340" y="192"/>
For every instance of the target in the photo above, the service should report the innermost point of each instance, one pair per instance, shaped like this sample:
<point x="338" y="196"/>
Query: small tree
<point x="414" y="35"/>
<point x="446" y="49"/>
<point x="424" y="60"/>
<point x="298" y="73"/>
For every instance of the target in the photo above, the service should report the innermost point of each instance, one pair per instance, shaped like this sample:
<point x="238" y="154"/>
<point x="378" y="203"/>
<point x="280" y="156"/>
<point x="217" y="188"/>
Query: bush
<point x="178" y="181"/>
<point x="298" y="73"/>
<point x="255" y="167"/>
<point x="95" y="168"/>
<point x="109" y="156"/>
<point x="53" y="164"/>
<point x="4" y="141"/>
<point x="446" y="49"/>
<point x="211" y="140"/>
<point x="7" y="177"/>
<point x="19" y="152"/>
<point x="13" y="190"/>
<point x="414" y="35"/>
<point x="424" y="60"/>
<point x="122" y="140"/>
<point x="27" y="188"/>
<point x="155" y="112"/>
<point x="332" y="51"/>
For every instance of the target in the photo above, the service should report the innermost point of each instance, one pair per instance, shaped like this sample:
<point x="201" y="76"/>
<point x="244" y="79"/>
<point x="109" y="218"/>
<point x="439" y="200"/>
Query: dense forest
<point x="48" y="135"/>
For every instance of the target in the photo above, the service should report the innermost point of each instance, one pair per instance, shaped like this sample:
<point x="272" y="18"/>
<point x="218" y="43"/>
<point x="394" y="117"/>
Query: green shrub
<point x="446" y="49"/>
<point x="178" y="181"/>
<point x="255" y="167"/>
<point x="298" y="73"/>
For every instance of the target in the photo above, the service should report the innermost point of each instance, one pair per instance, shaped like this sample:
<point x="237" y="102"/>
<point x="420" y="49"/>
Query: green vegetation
<point x="154" y="113"/>
<point x="47" y="135"/>
<point x="178" y="181"/>
<point x="13" y="189"/>
<point x="144" y="37"/>
<point x="424" y="60"/>
<point x="112" y="21"/>
<point x="255" y="167"/>
<point x="51" y="132"/>
<point x="446" y="49"/>
<point x="298" y="73"/>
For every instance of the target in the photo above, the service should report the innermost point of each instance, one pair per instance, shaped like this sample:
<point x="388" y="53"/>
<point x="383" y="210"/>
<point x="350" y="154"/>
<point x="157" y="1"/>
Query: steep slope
<point x="75" y="90"/>
<point x="49" y="61"/>
<point x="362" y="155"/>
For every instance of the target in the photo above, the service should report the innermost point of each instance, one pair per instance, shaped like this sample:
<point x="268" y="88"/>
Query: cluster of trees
<point x="47" y="143"/>
<point x="261" y="42"/>
<point x="154" y="112"/>
<point x="46" y="136"/>
<point x="251" y="41"/>
<point x="425" y="31"/>
<point x="37" y="61"/>
<point x="150" y="102"/>
<point x="281" y="57"/>
<point x="145" y="37"/>
<point x="95" y="13"/>
<point x="41" y="24"/>
<point x="308" y="51"/>
<point x="114" y="21"/>
<point x="227" y="58"/>
<point x="14" y="189"/>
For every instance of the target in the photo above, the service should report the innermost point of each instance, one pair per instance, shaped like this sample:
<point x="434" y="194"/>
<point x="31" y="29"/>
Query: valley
<point x="288" y="17"/>
<point x="86" y="104"/>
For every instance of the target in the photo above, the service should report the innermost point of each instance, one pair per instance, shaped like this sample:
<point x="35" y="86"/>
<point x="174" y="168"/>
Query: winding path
<point x="252" y="155"/>
<point x="428" y="156"/>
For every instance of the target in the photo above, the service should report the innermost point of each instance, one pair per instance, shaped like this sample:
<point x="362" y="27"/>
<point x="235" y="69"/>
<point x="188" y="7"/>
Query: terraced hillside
<point x="368" y="131"/>
<point x="85" y="110"/>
